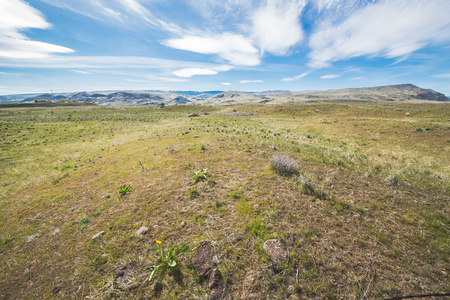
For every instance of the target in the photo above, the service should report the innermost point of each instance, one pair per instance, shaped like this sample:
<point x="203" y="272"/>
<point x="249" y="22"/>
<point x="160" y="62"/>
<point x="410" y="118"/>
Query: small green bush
<point x="123" y="189"/>
<point x="199" y="175"/>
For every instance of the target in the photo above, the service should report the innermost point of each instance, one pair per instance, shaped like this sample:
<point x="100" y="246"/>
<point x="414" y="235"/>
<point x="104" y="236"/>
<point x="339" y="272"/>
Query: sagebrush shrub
<point x="284" y="164"/>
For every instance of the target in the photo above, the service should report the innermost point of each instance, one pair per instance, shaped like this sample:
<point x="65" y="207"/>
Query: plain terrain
<point x="366" y="216"/>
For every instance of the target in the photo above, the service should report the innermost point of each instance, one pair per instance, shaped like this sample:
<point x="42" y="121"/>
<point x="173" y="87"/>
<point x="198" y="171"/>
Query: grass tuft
<point x="284" y="165"/>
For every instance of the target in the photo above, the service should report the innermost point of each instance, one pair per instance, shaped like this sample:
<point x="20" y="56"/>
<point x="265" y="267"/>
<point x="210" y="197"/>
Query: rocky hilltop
<point x="399" y="92"/>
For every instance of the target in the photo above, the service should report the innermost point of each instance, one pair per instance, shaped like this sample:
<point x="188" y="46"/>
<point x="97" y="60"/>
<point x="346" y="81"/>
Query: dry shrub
<point x="284" y="164"/>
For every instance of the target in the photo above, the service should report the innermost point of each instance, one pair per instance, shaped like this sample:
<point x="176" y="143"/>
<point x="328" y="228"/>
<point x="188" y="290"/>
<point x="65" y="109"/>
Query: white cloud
<point x="276" y="27"/>
<point x="390" y="29"/>
<point x="296" y="77"/>
<point x="443" y="76"/>
<point x="235" y="48"/>
<point x="123" y="13"/>
<point x="257" y="26"/>
<point x="81" y="72"/>
<point x="136" y="7"/>
<point x="226" y="83"/>
<point x="109" y="63"/>
<point x="156" y="78"/>
<point x="15" y="16"/>
<point x="189" y="72"/>
<point x="331" y="76"/>
<point x="251" y="81"/>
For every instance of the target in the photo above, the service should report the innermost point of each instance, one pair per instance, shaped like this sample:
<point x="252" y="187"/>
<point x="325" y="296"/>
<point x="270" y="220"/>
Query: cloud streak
<point x="304" y="74"/>
<point x="386" y="29"/>
<point x="251" y="81"/>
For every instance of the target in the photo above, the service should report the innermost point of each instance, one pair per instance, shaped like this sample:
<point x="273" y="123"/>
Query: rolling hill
<point x="400" y="92"/>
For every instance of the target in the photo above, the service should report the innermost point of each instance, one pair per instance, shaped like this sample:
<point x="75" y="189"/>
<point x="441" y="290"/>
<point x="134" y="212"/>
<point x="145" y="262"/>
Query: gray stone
<point x="276" y="250"/>
<point x="31" y="238"/>
<point x="203" y="260"/>
<point x="98" y="235"/>
<point x="143" y="230"/>
<point x="124" y="276"/>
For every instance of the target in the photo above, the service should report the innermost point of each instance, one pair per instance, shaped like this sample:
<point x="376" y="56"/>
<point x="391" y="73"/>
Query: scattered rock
<point x="98" y="235"/>
<point x="56" y="231"/>
<point x="183" y="224"/>
<point x="143" y="230"/>
<point x="124" y="276"/>
<point x="203" y="260"/>
<point x="57" y="288"/>
<point x="276" y="250"/>
<point x="31" y="238"/>
<point x="218" y="288"/>
<point x="215" y="280"/>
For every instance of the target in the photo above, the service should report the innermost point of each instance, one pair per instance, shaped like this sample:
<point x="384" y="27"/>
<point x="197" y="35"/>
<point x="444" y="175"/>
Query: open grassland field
<point x="364" y="216"/>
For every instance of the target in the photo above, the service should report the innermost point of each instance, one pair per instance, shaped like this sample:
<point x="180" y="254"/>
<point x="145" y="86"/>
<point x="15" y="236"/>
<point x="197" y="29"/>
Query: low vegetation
<point x="284" y="164"/>
<point x="359" y="201"/>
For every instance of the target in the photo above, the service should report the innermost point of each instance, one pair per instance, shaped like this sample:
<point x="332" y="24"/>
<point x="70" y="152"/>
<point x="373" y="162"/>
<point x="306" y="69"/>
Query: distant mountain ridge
<point x="399" y="92"/>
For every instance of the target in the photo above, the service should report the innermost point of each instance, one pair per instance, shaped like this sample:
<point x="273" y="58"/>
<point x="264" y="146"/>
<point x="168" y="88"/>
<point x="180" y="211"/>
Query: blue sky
<point x="247" y="45"/>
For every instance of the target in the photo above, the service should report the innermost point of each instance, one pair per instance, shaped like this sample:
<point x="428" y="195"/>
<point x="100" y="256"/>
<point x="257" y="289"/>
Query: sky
<point x="245" y="45"/>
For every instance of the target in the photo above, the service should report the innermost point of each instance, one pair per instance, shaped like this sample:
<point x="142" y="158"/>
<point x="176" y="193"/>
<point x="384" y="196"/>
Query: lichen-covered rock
<point x="276" y="250"/>
<point x="203" y="260"/>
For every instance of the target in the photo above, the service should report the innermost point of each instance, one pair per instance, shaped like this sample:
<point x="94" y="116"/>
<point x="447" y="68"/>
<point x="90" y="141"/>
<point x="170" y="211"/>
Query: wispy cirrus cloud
<point x="17" y="16"/>
<point x="81" y="72"/>
<point x="88" y="63"/>
<point x="384" y="28"/>
<point x="330" y="76"/>
<point x="251" y="81"/>
<point x="304" y="74"/>
<point x="442" y="76"/>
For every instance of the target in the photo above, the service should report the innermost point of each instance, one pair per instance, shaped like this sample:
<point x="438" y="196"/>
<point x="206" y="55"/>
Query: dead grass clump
<point x="284" y="164"/>
<point x="309" y="187"/>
